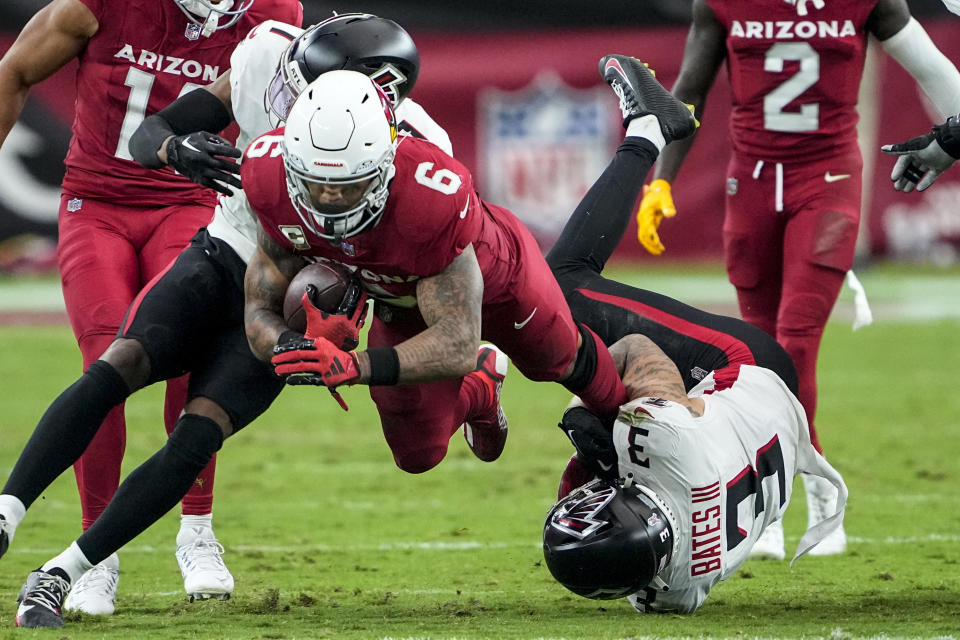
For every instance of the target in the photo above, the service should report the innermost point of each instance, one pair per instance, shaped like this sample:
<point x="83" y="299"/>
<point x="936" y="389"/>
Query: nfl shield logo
<point x="192" y="32"/>
<point x="542" y="147"/>
<point x="74" y="204"/>
<point x="348" y="248"/>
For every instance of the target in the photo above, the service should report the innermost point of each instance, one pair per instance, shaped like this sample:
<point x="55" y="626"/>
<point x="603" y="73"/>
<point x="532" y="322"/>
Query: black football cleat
<point x="641" y="94"/>
<point x="5" y="535"/>
<point x="41" y="600"/>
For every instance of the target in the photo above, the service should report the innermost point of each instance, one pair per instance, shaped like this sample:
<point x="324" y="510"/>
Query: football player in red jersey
<point x="444" y="267"/>
<point x="120" y="224"/>
<point x="794" y="179"/>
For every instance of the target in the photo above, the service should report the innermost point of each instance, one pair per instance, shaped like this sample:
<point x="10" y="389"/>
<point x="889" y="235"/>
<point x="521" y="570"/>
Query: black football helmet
<point x="377" y="47"/>
<point x="606" y="540"/>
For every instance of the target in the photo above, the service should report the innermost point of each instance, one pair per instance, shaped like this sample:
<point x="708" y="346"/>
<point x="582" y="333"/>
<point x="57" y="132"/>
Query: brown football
<point x="331" y="280"/>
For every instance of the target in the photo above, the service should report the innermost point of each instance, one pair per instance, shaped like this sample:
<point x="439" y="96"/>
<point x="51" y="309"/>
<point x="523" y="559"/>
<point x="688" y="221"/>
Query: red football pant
<point x="529" y="320"/>
<point x="788" y="265"/>
<point x="107" y="252"/>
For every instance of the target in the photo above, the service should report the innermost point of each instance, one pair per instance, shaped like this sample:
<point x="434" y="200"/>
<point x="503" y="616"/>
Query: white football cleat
<point x="95" y="592"/>
<point x="821" y="504"/>
<point x="204" y="573"/>
<point x="769" y="546"/>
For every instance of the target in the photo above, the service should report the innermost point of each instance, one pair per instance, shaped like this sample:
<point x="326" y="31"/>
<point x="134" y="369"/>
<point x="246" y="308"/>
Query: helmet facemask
<point x="207" y="15"/>
<point x="344" y="218"/>
<point x="339" y="146"/>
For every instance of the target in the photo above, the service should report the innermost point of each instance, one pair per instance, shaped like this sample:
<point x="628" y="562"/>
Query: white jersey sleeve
<point x="252" y="67"/>
<point x="415" y="120"/>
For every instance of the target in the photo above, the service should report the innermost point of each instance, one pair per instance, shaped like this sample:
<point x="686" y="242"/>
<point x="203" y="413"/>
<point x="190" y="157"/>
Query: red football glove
<point x="317" y="362"/>
<point x="341" y="328"/>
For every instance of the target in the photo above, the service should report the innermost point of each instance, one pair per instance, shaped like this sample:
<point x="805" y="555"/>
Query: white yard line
<point x="453" y="546"/>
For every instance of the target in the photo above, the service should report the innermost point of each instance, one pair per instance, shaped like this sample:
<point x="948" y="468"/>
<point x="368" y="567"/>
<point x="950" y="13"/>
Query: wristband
<point x="384" y="366"/>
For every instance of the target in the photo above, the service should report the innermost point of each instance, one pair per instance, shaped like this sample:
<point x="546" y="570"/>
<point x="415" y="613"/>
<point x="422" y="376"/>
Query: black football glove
<point x="592" y="439"/>
<point x="197" y="156"/>
<point x="924" y="158"/>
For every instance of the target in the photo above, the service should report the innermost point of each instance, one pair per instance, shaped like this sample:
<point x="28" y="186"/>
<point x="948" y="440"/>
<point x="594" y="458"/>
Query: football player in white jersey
<point x="693" y="481"/>
<point x="191" y="318"/>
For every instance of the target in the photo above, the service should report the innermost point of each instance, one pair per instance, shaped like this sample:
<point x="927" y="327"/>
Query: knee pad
<point x="194" y="440"/>
<point x="585" y="367"/>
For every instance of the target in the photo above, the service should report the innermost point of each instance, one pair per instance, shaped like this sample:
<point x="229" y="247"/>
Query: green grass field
<point x="327" y="539"/>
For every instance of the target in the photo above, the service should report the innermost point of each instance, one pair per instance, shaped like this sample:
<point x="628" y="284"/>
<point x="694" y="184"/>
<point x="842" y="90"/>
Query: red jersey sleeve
<point x="433" y="206"/>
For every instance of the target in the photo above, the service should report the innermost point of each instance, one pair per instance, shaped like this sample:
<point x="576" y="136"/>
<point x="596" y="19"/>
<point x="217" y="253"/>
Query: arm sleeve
<point x="936" y="75"/>
<point x="198" y="110"/>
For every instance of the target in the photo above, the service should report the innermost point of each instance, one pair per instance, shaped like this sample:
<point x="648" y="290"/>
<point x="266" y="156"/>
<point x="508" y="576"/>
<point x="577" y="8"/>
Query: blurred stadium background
<point x="455" y="552"/>
<point x="515" y="84"/>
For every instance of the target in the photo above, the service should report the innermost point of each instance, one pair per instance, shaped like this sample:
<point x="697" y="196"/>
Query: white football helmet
<point x="338" y="150"/>
<point x="207" y="14"/>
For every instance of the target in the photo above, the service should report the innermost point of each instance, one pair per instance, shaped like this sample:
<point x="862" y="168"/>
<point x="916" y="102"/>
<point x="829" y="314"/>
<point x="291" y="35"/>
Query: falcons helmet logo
<point x="579" y="516"/>
<point x="389" y="79"/>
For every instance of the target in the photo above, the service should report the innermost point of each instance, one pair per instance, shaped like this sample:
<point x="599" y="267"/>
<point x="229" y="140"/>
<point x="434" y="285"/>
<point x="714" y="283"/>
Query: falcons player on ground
<point x="444" y="267"/>
<point x="191" y="317"/>
<point x="794" y="181"/>
<point x="697" y="342"/>
<point x="120" y="224"/>
<point x="694" y="480"/>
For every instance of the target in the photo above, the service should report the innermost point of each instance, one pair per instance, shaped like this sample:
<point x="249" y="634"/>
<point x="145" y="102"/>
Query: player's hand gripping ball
<point x="326" y="300"/>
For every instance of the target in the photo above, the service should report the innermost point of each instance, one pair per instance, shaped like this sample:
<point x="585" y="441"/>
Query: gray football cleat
<point x="641" y="94"/>
<point x="41" y="600"/>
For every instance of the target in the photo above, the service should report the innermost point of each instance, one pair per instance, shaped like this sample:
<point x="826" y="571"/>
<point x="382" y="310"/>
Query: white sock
<point x="193" y="527"/>
<point x="648" y="127"/>
<point x="12" y="510"/>
<point x="72" y="562"/>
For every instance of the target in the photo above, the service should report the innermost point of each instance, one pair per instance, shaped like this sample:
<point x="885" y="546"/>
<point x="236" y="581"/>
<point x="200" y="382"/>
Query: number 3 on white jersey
<point x="774" y="118"/>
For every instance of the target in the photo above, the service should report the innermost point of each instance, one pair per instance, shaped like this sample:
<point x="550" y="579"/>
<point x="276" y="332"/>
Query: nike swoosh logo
<point x="187" y="144"/>
<point x="605" y="467"/>
<point x="834" y="177"/>
<point x="521" y="325"/>
<point x="463" y="214"/>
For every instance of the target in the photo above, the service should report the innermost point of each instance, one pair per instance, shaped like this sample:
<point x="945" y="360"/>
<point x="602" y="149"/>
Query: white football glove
<point x="921" y="162"/>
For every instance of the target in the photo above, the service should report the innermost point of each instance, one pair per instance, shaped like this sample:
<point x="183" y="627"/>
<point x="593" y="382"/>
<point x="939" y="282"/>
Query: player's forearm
<point x="11" y="103"/>
<point x="646" y="370"/>
<point x="263" y="327"/>
<point x="265" y="284"/>
<point x="671" y="159"/>
<point x="446" y="350"/>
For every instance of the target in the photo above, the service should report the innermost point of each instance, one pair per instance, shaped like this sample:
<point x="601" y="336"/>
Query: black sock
<point x="65" y="430"/>
<point x="153" y="488"/>
<point x="597" y="224"/>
